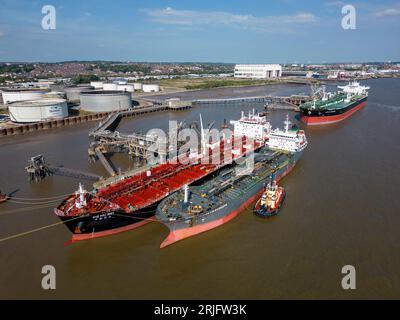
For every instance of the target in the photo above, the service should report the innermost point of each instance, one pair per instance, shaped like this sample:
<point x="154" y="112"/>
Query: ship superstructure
<point x="289" y="139"/>
<point x="252" y="125"/>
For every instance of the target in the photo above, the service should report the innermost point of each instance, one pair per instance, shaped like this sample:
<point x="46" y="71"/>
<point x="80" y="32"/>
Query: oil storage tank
<point x="97" y="84"/>
<point x="73" y="92"/>
<point x="38" y="110"/>
<point x="151" y="88"/>
<point x="126" y="87"/>
<point x="110" y="86"/>
<point x="105" y="101"/>
<point x="137" y="86"/>
<point x="11" y="95"/>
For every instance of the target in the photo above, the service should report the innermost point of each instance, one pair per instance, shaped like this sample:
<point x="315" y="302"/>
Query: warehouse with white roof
<point x="258" y="71"/>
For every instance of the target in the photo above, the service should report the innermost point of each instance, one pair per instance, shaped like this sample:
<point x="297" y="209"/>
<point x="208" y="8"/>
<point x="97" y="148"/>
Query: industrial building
<point x="105" y="101"/>
<point x="258" y="71"/>
<point x="177" y="103"/>
<point x="73" y="92"/>
<point x="38" y="110"/>
<point x="11" y="95"/>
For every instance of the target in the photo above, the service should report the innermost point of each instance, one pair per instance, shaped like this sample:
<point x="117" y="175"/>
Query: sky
<point x="233" y="31"/>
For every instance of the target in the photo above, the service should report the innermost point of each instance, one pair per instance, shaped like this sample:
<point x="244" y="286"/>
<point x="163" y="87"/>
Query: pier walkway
<point x="38" y="169"/>
<point x="280" y="102"/>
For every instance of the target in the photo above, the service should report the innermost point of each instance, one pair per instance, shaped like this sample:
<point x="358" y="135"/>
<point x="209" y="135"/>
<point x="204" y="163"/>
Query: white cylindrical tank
<point x="73" y="92"/>
<point x="97" y="84"/>
<point x="151" y="88"/>
<point x="105" y="101"/>
<point x="110" y="86"/>
<point x="126" y="87"/>
<point x="13" y="95"/>
<point x="121" y="81"/>
<point x="55" y="95"/>
<point x="38" y="110"/>
<point x="137" y="86"/>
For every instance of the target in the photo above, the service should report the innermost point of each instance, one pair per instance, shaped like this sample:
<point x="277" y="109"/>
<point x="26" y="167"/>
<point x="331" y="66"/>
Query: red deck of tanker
<point x="143" y="189"/>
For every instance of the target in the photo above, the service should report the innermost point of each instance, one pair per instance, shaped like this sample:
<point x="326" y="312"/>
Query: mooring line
<point x="21" y="234"/>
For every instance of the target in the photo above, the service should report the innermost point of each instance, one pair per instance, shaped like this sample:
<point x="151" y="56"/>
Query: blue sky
<point x="245" y="31"/>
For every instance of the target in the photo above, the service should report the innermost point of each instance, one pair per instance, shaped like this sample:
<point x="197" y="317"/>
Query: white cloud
<point x="2" y="34"/>
<point x="334" y="4"/>
<point x="388" y="12"/>
<point x="190" y="18"/>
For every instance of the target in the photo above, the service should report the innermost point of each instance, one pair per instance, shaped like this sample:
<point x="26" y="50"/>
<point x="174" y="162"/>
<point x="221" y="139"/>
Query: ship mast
<point x="203" y="138"/>
<point x="80" y="201"/>
<point x="287" y="123"/>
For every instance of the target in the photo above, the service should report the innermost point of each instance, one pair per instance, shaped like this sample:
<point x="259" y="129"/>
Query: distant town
<point x="77" y="72"/>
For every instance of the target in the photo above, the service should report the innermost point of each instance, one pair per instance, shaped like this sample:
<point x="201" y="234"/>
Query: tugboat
<point x="3" y="197"/>
<point x="271" y="200"/>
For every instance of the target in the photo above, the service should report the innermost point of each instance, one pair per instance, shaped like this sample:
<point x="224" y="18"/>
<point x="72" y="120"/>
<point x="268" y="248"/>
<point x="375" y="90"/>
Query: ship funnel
<point x="287" y="123"/>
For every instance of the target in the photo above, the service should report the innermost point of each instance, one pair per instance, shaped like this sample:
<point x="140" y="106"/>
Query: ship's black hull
<point x="107" y="223"/>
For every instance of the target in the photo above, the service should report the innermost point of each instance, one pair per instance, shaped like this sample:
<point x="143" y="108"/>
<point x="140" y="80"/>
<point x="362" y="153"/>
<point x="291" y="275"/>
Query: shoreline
<point x="151" y="100"/>
<point x="145" y="107"/>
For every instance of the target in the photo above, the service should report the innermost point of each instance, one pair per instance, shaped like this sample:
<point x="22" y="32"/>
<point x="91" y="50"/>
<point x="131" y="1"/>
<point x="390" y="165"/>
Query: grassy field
<point x="207" y="83"/>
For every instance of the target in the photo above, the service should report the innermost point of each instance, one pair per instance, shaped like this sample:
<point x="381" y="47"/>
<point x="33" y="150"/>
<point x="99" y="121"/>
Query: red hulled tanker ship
<point x="128" y="201"/>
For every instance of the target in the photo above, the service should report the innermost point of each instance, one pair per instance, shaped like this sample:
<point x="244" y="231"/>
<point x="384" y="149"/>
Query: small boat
<point x="271" y="200"/>
<point x="3" y="197"/>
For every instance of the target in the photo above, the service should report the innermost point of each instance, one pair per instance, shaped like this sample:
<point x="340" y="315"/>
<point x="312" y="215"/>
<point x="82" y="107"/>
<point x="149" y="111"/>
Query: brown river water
<point x="342" y="208"/>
